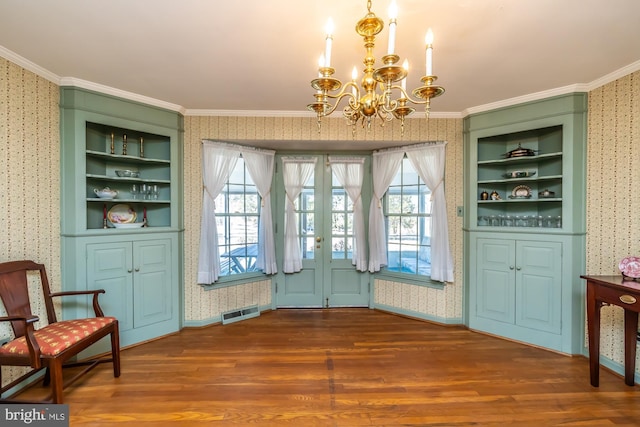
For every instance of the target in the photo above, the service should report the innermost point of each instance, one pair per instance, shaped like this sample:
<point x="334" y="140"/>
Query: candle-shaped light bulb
<point x="393" y="14"/>
<point x="354" y="76"/>
<point x="405" y="65"/>
<point x="429" y="42"/>
<point x="320" y="65"/>
<point x="327" y="50"/>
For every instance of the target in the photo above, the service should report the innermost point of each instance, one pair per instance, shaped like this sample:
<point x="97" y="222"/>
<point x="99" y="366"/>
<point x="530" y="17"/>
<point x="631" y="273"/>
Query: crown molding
<point x="527" y="98"/>
<point x="107" y="90"/>
<point x="248" y="113"/>
<point x="619" y="73"/>
<point x="28" y="65"/>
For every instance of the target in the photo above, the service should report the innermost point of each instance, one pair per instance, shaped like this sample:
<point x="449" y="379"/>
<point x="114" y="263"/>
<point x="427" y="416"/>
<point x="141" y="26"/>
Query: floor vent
<point x="241" y="314"/>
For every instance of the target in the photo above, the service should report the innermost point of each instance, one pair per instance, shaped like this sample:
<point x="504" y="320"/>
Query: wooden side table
<point x="625" y="293"/>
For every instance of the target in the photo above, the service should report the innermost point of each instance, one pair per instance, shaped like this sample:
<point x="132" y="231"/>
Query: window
<point x="304" y="208"/>
<point x="341" y="222"/>
<point x="237" y="219"/>
<point x="408" y="223"/>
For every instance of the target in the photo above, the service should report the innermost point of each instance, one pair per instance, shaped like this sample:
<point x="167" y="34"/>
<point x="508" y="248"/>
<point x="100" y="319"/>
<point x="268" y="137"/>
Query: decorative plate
<point x="520" y="192"/>
<point x="630" y="267"/>
<point x="519" y="174"/>
<point x="129" y="225"/>
<point x="121" y="214"/>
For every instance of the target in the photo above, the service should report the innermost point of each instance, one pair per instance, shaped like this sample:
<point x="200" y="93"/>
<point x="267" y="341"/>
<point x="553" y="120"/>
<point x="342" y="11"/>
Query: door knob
<point x="318" y="239"/>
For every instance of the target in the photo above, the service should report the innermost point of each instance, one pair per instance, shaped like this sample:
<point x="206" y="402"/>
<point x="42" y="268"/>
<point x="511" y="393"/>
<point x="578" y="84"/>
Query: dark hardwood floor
<point x="346" y="367"/>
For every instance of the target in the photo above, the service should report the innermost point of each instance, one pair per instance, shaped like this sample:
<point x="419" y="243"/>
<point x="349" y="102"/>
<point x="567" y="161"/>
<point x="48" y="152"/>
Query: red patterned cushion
<point x="58" y="336"/>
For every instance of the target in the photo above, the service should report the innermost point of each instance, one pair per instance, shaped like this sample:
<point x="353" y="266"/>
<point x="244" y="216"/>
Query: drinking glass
<point x="155" y="192"/>
<point x="144" y="190"/>
<point x="134" y="191"/>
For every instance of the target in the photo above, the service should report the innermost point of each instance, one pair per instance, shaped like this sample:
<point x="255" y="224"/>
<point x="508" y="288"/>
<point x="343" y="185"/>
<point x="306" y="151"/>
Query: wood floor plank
<point x="346" y="367"/>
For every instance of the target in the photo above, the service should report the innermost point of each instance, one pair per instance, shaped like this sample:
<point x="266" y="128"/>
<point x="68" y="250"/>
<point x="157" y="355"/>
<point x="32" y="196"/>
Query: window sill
<point x="235" y="280"/>
<point x="410" y="279"/>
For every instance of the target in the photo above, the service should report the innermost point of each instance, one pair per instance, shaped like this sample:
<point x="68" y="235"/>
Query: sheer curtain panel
<point x="218" y="161"/>
<point x="260" y="164"/>
<point x="349" y="172"/>
<point x="385" y="166"/>
<point x="296" y="171"/>
<point x="429" y="160"/>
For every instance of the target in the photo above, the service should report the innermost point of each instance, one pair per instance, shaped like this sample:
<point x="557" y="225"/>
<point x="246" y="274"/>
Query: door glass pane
<point x="338" y="248"/>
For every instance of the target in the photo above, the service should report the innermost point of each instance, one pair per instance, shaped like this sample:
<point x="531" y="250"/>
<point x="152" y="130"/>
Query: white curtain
<point x="349" y="172"/>
<point x="260" y="164"/>
<point x="296" y="171"/>
<point x="429" y="160"/>
<point x="218" y="161"/>
<point x="384" y="168"/>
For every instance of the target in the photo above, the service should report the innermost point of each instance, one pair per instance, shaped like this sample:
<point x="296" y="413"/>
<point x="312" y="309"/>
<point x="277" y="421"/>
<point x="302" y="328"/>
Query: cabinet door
<point x="109" y="267"/>
<point x="495" y="296"/>
<point x="152" y="282"/>
<point x="539" y="285"/>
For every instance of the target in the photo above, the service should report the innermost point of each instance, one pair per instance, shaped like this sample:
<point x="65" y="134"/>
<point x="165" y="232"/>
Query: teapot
<point x="105" y="193"/>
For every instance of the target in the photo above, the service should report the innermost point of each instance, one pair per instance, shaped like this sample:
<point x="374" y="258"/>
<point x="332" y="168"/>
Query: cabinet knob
<point x="518" y="268"/>
<point x="511" y="267"/>
<point x="138" y="269"/>
<point x="129" y="271"/>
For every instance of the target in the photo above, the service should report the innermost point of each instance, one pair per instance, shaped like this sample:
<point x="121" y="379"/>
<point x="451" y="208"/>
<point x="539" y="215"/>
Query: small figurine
<point x="484" y="196"/>
<point x="495" y="195"/>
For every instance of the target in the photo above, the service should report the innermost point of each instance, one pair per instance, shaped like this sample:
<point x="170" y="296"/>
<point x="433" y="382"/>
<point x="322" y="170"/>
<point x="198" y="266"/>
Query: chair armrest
<point x="96" y="306"/>
<point x="32" y="344"/>
<point x="30" y="319"/>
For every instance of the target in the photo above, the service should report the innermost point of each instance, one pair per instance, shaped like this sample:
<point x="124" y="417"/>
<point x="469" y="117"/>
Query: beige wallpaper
<point x="202" y="305"/>
<point x="29" y="176"/>
<point x="613" y="206"/>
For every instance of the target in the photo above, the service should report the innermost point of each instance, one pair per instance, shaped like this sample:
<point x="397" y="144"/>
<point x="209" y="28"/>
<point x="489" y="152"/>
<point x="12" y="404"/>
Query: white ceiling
<point x="255" y="55"/>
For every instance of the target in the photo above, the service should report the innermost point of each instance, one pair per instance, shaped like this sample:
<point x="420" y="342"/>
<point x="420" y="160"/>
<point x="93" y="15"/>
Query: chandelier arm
<point x="353" y="102"/>
<point x="406" y="96"/>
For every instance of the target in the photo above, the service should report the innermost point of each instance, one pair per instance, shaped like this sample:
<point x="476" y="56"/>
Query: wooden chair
<point x="51" y="346"/>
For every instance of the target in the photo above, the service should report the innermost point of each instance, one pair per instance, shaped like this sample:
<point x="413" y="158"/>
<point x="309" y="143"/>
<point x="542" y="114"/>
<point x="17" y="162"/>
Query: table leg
<point x="593" y="326"/>
<point x="630" y="334"/>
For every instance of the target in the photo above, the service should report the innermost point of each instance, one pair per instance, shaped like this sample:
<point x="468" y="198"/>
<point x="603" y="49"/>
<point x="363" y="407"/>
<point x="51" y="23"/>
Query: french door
<point x="324" y="215"/>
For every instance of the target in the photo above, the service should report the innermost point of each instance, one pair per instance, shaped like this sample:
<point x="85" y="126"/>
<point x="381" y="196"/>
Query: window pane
<point x="338" y="248"/>
<point x="252" y="202"/>
<point x="350" y="223"/>
<point x="394" y="203"/>
<point x="308" y="201"/>
<point x="338" y="223"/>
<point x="410" y="200"/>
<point x="308" y="245"/>
<point x="338" y="200"/>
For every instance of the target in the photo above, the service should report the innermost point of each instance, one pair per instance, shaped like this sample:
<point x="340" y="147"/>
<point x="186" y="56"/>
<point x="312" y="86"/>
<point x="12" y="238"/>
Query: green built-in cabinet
<point x="138" y="264"/>
<point x="525" y="223"/>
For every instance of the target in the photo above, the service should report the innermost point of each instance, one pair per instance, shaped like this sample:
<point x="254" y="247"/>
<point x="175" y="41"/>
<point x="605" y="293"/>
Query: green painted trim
<point x="573" y="103"/>
<point x="418" y="315"/>
<point x="95" y="102"/>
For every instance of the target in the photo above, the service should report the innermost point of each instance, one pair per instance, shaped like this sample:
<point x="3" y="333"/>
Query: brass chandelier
<point x="365" y="101"/>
